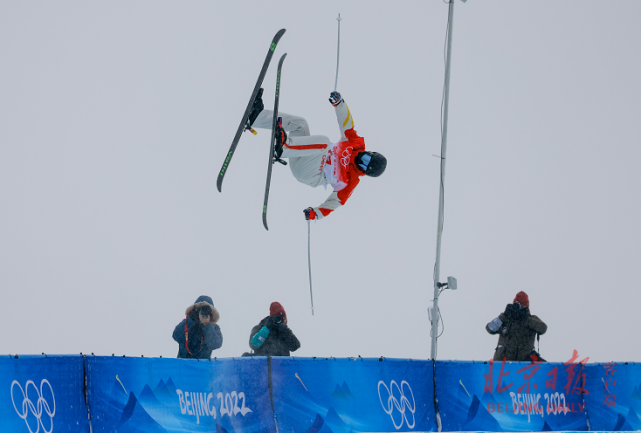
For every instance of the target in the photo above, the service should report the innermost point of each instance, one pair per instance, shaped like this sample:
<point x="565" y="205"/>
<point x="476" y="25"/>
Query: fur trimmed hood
<point x="201" y="302"/>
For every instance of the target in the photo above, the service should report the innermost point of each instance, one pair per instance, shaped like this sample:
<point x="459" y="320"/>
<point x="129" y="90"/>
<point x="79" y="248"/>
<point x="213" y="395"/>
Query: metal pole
<point x="309" y="264"/>
<point x="338" y="50"/>
<point x="439" y="233"/>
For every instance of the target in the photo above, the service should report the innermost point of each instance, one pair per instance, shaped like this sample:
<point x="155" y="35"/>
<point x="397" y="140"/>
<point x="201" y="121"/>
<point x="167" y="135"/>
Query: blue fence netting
<point x="313" y="395"/>
<point x="613" y="397"/>
<point x="345" y="395"/>
<point x="42" y="394"/>
<point x="510" y="396"/>
<point x="175" y="395"/>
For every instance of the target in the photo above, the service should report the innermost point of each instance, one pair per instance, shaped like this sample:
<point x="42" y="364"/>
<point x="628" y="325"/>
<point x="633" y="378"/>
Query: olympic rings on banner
<point x="35" y="409"/>
<point x="402" y="403"/>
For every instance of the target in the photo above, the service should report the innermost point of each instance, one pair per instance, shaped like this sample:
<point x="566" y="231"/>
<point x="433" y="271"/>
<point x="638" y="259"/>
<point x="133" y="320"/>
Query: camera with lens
<point x="195" y="314"/>
<point x="205" y="311"/>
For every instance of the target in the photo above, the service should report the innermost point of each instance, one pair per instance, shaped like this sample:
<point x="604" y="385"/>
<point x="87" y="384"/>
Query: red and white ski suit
<point x="314" y="160"/>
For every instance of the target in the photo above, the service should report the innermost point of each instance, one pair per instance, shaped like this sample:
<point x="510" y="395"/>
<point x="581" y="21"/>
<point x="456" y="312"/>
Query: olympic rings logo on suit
<point x="346" y="156"/>
<point x="402" y="403"/>
<point x="41" y="405"/>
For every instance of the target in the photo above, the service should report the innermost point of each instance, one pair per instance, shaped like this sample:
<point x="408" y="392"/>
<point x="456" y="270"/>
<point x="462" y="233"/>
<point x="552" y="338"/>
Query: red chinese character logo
<point x="500" y="389"/>
<point x="609" y="397"/>
<point x="578" y="386"/>
<point x="488" y="378"/>
<point x="489" y="383"/>
<point x="551" y="383"/>
<point x="527" y="376"/>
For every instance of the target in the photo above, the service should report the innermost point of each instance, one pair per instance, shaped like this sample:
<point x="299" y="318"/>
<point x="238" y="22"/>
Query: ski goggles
<point x="365" y="160"/>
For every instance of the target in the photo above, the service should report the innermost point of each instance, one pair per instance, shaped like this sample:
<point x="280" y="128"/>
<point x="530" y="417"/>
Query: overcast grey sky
<point x="115" y="118"/>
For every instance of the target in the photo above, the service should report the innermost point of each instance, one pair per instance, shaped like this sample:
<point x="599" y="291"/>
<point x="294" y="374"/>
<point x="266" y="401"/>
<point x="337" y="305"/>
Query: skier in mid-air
<point x="314" y="160"/>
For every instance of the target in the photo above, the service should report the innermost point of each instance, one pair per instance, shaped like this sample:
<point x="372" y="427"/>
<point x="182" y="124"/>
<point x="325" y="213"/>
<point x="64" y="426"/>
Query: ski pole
<point x="338" y="49"/>
<point x="309" y="263"/>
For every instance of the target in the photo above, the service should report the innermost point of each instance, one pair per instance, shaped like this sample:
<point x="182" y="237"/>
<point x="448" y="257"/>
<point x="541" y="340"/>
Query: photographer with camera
<point x="272" y="336"/>
<point x="517" y="329"/>
<point x="198" y="334"/>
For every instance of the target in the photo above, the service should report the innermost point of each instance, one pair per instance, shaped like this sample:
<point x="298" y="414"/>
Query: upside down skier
<point x="314" y="160"/>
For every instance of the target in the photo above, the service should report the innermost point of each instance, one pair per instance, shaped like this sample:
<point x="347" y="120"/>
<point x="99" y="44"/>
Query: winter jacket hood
<point x="195" y="340"/>
<point x="201" y="302"/>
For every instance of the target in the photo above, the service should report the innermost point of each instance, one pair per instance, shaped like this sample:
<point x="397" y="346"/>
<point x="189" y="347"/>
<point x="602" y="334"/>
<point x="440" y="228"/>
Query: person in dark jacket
<point x="198" y="334"/>
<point x="517" y="329"/>
<point x="272" y="336"/>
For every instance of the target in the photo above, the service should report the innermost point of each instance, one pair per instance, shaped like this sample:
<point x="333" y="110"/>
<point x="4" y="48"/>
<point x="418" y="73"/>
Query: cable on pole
<point x="441" y="214"/>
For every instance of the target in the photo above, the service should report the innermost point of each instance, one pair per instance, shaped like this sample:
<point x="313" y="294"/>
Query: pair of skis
<point x="244" y="124"/>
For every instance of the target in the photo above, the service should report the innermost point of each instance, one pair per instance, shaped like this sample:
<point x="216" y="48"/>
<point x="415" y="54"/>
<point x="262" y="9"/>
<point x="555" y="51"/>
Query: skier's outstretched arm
<point x="333" y="202"/>
<point x="343" y="115"/>
<point x="330" y="205"/>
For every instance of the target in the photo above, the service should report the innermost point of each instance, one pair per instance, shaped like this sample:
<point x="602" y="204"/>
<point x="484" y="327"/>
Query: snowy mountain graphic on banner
<point x="458" y="409"/>
<point x="622" y="424"/>
<point x="164" y="394"/>
<point x="118" y="397"/>
<point x="488" y="397"/>
<point x="220" y="429"/>
<point x="633" y="419"/>
<point x="136" y="419"/>
<point x="116" y="404"/>
<point x="342" y="392"/>
<point x="479" y="419"/>
<point x="335" y="422"/>
<point x="158" y="410"/>
<point x="148" y="399"/>
<point x="319" y="426"/>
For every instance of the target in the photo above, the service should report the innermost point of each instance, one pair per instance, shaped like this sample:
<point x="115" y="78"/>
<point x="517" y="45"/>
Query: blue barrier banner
<point x="42" y="394"/>
<point x="510" y="396"/>
<point x="613" y="396"/>
<point x="318" y="395"/>
<point x="154" y="395"/>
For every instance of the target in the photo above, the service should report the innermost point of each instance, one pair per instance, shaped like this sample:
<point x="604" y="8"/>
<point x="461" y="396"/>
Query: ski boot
<point x="280" y="138"/>
<point x="255" y="111"/>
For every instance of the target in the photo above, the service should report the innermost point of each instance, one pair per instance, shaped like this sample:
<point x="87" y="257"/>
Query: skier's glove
<point x="309" y="214"/>
<point x="335" y="98"/>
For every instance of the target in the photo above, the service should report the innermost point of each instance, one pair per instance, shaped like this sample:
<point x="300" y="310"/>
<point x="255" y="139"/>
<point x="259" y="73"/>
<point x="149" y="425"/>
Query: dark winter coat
<point x="516" y="336"/>
<point x="202" y="339"/>
<point x="280" y="341"/>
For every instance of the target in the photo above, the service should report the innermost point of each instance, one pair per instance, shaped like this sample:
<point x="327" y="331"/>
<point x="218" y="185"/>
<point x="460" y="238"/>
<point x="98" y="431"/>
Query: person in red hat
<point x="272" y="336"/>
<point x="517" y="329"/>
